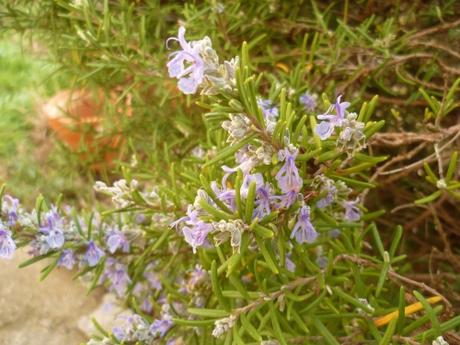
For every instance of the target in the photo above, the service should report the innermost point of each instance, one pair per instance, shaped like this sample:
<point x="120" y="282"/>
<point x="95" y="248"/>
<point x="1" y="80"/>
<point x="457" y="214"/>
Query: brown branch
<point x="274" y="295"/>
<point x="394" y="139"/>
<point x="396" y="277"/>
<point x="442" y="27"/>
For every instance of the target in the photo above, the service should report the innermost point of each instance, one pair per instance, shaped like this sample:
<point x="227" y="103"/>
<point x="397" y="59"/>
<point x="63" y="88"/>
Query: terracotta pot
<point x="75" y="116"/>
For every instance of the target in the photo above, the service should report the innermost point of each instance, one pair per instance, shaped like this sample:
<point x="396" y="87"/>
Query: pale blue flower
<point x="322" y="261"/>
<point x="326" y="127"/>
<point x="93" y="254"/>
<point x="290" y="265"/>
<point x="7" y="244"/>
<point x="308" y="100"/>
<point x="152" y="278"/>
<point x="191" y="217"/>
<point x="269" y="110"/>
<point x="195" y="231"/>
<point x="352" y="211"/>
<point x="288" y="176"/>
<point x="116" y="239"/>
<point x="10" y="207"/>
<point x="117" y="274"/>
<point x="186" y="65"/>
<point x="67" y="259"/>
<point x="159" y="327"/>
<point x="197" y="276"/>
<point x="287" y="200"/>
<point x="247" y="181"/>
<point x="263" y="201"/>
<point x="334" y="233"/>
<point x="196" y="234"/>
<point x="53" y="229"/>
<point x="303" y="231"/>
<point x="329" y="198"/>
<point x="224" y="194"/>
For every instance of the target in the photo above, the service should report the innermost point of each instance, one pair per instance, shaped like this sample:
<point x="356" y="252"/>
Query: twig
<point x="422" y="161"/>
<point x="393" y="139"/>
<point x="393" y="276"/>
<point x="274" y="295"/>
<point x="442" y="27"/>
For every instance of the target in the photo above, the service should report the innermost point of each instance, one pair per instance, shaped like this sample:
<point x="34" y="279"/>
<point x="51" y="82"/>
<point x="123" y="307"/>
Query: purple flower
<point x="191" y="217"/>
<point x="93" y="254"/>
<point x="288" y="176"/>
<point x="10" y="207"/>
<point x="146" y="305"/>
<point x="334" y="233"/>
<point x="286" y="200"/>
<point x="352" y="212"/>
<point x="263" y="200"/>
<point x="67" y="259"/>
<point x="270" y="113"/>
<point x="143" y="292"/>
<point x="117" y="274"/>
<point x="303" y="231"/>
<point x="7" y="245"/>
<point x="119" y="333"/>
<point x="227" y="196"/>
<point x="152" y="278"/>
<point x="308" y="100"/>
<point x="195" y="231"/>
<point x="197" y="278"/>
<point x="326" y="127"/>
<point x="322" y="261"/>
<point x="160" y="327"/>
<point x="290" y="265"/>
<point x="329" y="198"/>
<point x="133" y="330"/>
<point x="247" y="180"/>
<point x="196" y="234"/>
<point x="52" y="228"/>
<point x="186" y="64"/>
<point x="269" y="110"/>
<point x="116" y="239"/>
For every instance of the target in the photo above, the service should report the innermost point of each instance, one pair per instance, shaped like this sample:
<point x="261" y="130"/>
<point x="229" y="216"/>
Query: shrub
<point x="248" y="226"/>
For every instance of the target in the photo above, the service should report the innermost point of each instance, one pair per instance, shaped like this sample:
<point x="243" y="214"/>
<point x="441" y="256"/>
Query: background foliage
<point x="407" y="53"/>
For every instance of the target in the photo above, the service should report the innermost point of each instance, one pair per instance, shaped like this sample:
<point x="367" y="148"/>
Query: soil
<point x="41" y="313"/>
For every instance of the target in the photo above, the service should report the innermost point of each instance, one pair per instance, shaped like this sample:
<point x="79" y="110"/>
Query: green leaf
<point x="268" y="258"/>
<point x="213" y="211"/>
<point x="276" y="324"/>
<point x="229" y="150"/>
<point x="401" y="310"/>
<point x="396" y="240"/>
<point x="193" y="323"/>
<point x="36" y="259"/>
<point x="250" y="202"/>
<point x="386" y="340"/>
<point x="328" y="337"/>
<point x="370" y="109"/>
<point x="431" y="176"/>
<point x="48" y="269"/>
<point x="383" y="273"/>
<point x="216" y="287"/>
<point x="444" y="327"/>
<point x="431" y="314"/>
<point x="214" y="313"/>
<point x="373" y="127"/>
<point x="452" y="166"/>
<point x="263" y="232"/>
<point x="429" y="198"/>
<point x="249" y="328"/>
<point x="351" y="300"/>
<point x="378" y="240"/>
